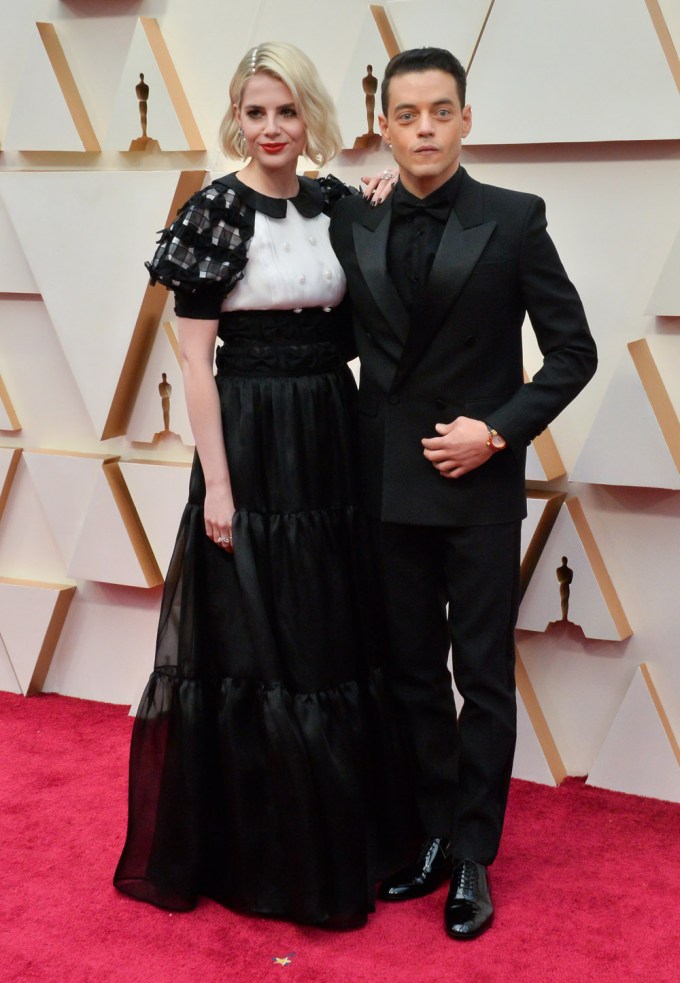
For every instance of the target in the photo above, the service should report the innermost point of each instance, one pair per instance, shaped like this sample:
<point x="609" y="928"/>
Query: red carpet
<point x="586" y="886"/>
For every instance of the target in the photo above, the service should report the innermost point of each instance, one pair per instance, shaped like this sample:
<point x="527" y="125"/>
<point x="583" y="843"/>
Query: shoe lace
<point x="429" y="852"/>
<point x="467" y="877"/>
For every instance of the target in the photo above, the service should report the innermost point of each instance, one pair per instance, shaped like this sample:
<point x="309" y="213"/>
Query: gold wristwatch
<point x="494" y="441"/>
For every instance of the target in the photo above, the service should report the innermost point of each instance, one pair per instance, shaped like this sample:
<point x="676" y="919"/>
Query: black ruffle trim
<point x="333" y="190"/>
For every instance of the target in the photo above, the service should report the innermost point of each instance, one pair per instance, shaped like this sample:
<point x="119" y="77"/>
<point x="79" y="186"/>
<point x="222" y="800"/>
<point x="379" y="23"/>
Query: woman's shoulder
<point x="218" y="202"/>
<point x="334" y="190"/>
<point x="206" y="244"/>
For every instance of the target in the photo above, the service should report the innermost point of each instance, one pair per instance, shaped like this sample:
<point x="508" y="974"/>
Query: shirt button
<point x="328" y="274"/>
<point x="302" y="278"/>
<point x="286" y="247"/>
<point x="312" y="240"/>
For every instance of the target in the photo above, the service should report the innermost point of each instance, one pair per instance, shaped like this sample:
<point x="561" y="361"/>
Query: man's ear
<point x="384" y="129"/>
<point x="467" y="119"/>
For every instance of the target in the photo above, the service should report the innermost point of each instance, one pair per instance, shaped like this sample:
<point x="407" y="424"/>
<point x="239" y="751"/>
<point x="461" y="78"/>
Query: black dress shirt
<point x="415" y="233"/>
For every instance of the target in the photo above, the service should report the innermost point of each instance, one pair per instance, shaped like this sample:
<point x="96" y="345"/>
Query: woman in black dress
<point x="263" y="769"/>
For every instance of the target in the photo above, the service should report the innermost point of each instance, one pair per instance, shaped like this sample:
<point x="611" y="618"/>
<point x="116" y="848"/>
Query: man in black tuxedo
<point x="440" y="278"/>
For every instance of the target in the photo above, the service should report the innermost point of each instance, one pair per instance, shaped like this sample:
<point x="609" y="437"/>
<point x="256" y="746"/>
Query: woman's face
<point x="274" y="133"/>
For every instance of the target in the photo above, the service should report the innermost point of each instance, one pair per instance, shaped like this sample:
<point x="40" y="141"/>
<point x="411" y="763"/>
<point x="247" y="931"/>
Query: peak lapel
<point x="370" y="243"/>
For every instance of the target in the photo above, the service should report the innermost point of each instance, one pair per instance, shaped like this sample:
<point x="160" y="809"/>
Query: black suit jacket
<point x="461" y="353"/>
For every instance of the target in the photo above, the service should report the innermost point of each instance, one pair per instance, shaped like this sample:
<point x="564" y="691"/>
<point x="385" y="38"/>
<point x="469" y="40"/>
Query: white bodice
<point x="290" y="265"/>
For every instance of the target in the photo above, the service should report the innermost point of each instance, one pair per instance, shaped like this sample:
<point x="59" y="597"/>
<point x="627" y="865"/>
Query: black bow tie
<point x="412" y="207"/>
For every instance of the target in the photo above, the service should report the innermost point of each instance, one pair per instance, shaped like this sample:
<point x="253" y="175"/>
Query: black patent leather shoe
<point x="423" y="877"/>
<point x="468" y="910"/>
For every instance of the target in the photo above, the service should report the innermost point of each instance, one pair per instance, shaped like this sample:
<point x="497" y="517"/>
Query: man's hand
<point x="461" y="447"/>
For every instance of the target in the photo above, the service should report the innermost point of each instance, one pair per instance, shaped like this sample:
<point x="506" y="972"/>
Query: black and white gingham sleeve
<point x="203" y="253"/>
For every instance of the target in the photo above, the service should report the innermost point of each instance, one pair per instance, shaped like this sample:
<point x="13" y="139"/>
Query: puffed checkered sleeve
<point x="203" y="253"/>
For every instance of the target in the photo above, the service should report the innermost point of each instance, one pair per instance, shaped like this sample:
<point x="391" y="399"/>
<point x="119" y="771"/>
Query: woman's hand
<point x="218" y="513"/>
<point x="197" y="348"/>
<point x="380" y="186"/>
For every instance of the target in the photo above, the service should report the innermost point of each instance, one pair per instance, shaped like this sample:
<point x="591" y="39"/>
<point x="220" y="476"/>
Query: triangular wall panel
<point x="9" y="421"/>
<point x="9" y="461"/>
<point x="57" y="216"/>
<point x="31" y="618"/>
<point x="41" y="384"/>
<point x="8" y="677"/>
<point x="665" y="301"/>
<point x="530" y="762"/>
<point x="458" y="23"/>
<point x="170" y="121"/>
<point x="545" y="100"/>
<point x="544" y="462"/>
<point x="48" y="113"/>
<point x="147" y="420"/>
<point x="626" y="445"/>
<point x="640" y="754"/>
<point x="537" y="758"/>
<point x="159" y="492"/>
<point x="367" y="49"/>
<point x="15" y="273"/>
<point x="112" y="546"/>
<point x="65" y="484"/>
<point x="542" y="510"/>
<point x="592" y="602"/>
<point x="657" y="360"/>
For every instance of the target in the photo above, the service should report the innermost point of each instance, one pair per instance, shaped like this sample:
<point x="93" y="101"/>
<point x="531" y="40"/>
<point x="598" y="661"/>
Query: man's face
<point x="425" y="124"/>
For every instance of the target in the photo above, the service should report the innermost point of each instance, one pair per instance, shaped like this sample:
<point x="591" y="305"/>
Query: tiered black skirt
<point x="265" y="769"/>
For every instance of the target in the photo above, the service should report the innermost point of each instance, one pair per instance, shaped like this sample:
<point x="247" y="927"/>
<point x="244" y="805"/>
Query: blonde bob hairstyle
<point x="292" y="67"/>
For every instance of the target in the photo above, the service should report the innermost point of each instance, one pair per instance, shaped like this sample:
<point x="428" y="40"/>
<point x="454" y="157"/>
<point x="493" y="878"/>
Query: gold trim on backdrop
<point x="145" y="329"/>
<point x="553" y="503"/>
<point x="133" y="524"/>
<point x="549" y="455"/>
<point x="67" y="83"/>
<point x="9" y="408"/>
<point x="597" y="564"/>
<point x="172" y="83"/>
<point x="663" y="716"/>
<point x="52" y="634"/>
<point x="384" y="25"/>
<point x="172" y="338"/>
<point x="479" y="36"/>
<point x="658" y="396"/>
<point x="665" y="39"/>
<point x="9" y="476"/>
<point x="538" y="721"/>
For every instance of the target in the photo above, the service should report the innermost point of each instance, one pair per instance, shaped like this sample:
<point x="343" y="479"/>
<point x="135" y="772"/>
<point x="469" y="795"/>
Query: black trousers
<point x="462" y="762"/>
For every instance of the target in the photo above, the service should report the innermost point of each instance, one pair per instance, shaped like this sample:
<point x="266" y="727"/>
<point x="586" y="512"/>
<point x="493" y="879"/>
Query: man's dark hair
<point x="423" y="60"/>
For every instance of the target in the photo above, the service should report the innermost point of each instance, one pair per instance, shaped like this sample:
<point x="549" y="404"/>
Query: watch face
<point x="497" y="441"/>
